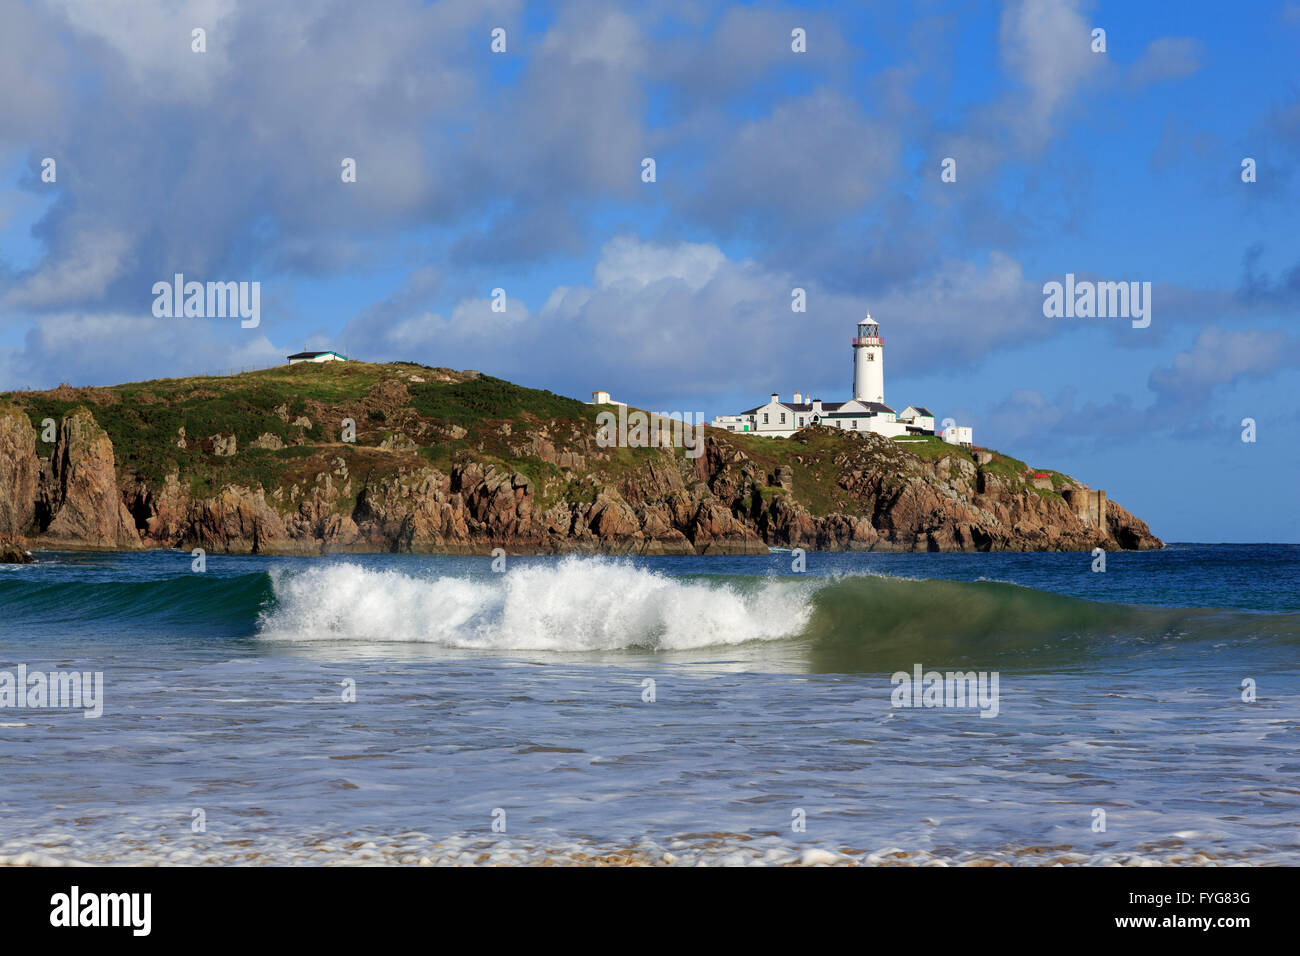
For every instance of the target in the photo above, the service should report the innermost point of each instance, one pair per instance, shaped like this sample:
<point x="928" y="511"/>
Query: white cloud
<point x="810" y="160"/>
<point x="153" y="39"/>
<point x="1220" y="357"/>
<point x="592" y="35"/>
<point x="1167" y="58"/>
<point x="682" y="316"/>
<point x="82" y="272"/>
<point x="107" y="348"/>
<point x="1047" y="46"/>
<point x="626" y="262"/>
<point x="964" y="309"/>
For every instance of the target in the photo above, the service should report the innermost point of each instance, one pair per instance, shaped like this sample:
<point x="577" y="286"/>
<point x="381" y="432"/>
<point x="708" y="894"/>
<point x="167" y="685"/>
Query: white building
<point x="866" y="411"/>
<point x="958" y="435"/>
<point x="918" y="418"/>
<point x="297" y="357"/>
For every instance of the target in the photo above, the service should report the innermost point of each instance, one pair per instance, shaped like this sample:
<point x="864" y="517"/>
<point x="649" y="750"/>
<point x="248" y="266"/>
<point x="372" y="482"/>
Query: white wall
<point x="869" y="373"/>
<point x="887" y="427"/>
<point x="774" y="411"/>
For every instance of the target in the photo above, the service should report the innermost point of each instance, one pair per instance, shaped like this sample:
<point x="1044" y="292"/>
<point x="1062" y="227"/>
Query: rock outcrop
<point x="13" y="551"/>
<point x="78" y="502"/>
<point x="415" y="481"/>
<point x="19" y="472"/>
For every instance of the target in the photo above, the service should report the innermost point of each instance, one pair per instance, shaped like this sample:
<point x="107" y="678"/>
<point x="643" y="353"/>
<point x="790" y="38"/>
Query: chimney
<point x="817" y="406"/>
<point x="775" y="396"/>
<point x="798" y="398"/>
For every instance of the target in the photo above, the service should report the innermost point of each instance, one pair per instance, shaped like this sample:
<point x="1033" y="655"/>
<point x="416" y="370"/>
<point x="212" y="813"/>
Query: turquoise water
<point x="523" y="695"/>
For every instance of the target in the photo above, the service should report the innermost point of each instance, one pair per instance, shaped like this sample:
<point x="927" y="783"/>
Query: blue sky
<point x="775" y="170"/>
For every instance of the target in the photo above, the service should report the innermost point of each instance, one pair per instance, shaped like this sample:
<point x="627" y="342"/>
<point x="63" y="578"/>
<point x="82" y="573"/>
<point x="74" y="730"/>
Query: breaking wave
<point x="579" y="604"/>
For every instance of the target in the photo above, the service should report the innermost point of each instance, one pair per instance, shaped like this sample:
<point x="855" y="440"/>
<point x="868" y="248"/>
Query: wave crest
<point x="577" y="604"/>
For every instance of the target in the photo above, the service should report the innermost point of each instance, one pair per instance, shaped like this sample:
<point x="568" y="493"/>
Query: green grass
<point x="143" y="419"/>
<point x="463" y="403"/>
<point x="815" y="476"/>
<point x="933" y="448"/>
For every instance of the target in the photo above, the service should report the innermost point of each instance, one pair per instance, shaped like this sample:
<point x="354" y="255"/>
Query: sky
<point x="775" y="169"/>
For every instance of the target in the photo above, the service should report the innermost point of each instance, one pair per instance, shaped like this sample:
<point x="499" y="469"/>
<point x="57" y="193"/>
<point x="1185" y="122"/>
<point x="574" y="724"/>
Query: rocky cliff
<point x="402" y="457"/>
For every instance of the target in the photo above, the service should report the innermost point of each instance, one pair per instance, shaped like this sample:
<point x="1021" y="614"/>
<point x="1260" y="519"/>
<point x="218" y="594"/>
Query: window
<point x="855" y="424"/>
<point x="871" y="356"/>
<point x="801" y="421"/>
<point x="783" y="418"/>
<point x="765" y="418"/>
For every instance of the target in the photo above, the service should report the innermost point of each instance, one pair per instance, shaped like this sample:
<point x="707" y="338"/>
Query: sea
<point x="787" y="708"/>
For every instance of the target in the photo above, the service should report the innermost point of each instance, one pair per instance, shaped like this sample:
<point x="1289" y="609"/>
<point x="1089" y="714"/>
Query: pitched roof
<point x="307" y="355"/>
<point x="833" y="409"/>
<point x="922" y="410"/>
<point x="829" y="408"/>
<point x="798" y="407"/>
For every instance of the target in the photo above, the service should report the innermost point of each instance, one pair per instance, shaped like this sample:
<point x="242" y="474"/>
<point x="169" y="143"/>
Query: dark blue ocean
<point x="711" y="710"/>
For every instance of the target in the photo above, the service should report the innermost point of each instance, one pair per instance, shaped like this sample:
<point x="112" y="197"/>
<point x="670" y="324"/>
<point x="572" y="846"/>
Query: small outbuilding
<point x="918" y="419"/>
<point x="316" y="357"/>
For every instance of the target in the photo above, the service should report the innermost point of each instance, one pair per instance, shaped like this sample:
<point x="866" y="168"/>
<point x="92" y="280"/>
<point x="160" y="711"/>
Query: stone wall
<point x="1088" y="505"/>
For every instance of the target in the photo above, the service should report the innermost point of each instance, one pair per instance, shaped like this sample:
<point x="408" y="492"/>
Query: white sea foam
<point x="331" y="847"/>
<point x="579" y="604"/>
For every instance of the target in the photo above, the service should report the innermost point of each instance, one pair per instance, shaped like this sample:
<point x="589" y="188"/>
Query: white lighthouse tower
<point x="869" y="362"/>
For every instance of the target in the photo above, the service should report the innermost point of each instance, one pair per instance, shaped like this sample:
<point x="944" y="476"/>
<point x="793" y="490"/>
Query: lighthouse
<point x="869" y="362"/>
